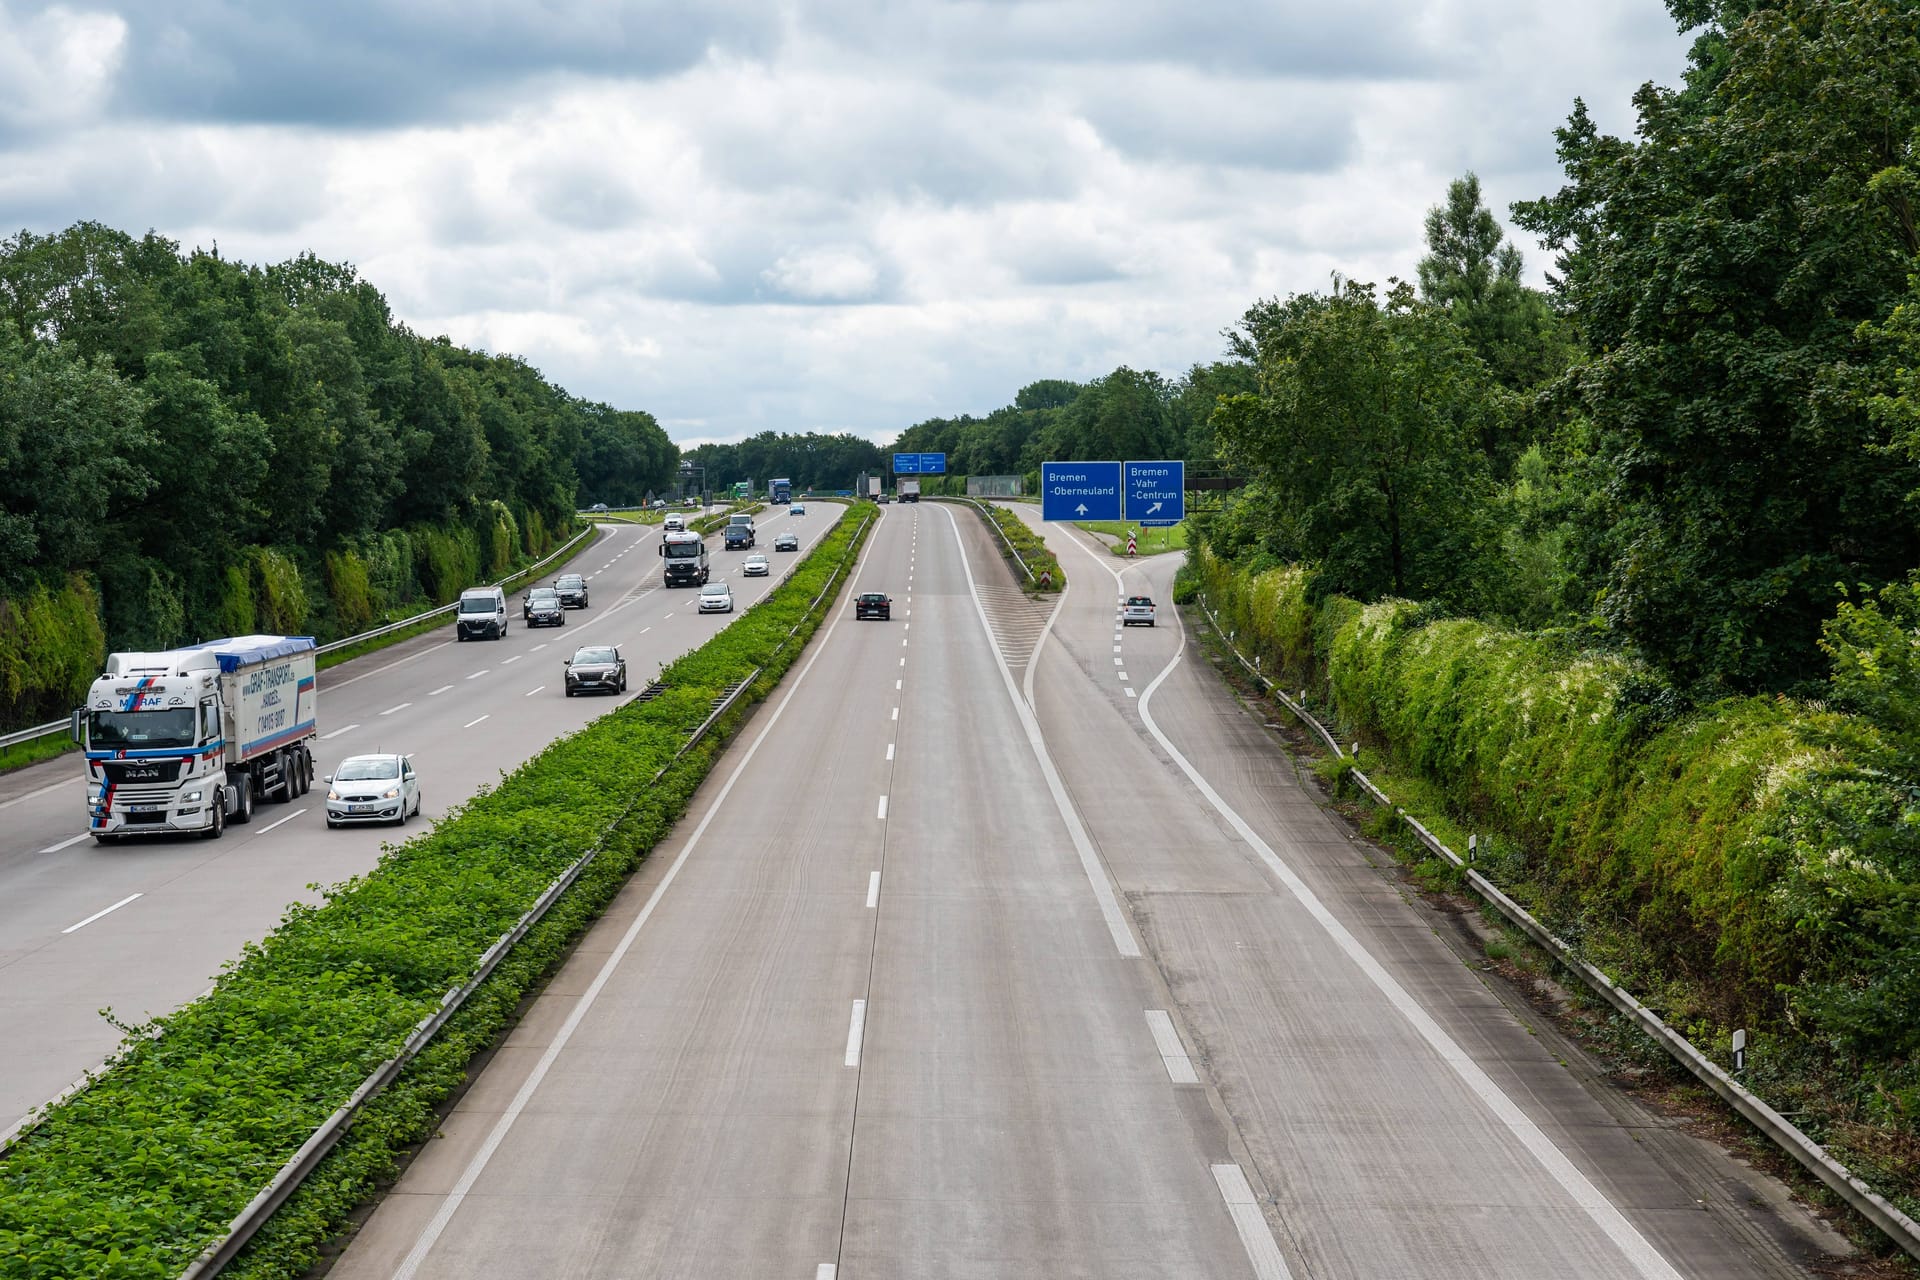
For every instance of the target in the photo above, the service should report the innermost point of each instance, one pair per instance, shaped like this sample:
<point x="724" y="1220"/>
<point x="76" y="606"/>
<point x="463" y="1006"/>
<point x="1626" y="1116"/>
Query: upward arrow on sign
<point x="1081" y="509"/>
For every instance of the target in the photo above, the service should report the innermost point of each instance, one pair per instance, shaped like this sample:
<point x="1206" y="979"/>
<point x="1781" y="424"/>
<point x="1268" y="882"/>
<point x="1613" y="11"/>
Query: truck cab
<point x="739" y="533"/>
<point x="686" y="558"/>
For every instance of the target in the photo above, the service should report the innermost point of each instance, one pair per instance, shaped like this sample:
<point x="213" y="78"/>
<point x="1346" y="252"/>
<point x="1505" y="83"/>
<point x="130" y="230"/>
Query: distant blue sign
<point x="919" y="464"/>
<point x="1079" y="491"/>
<point x="1156" y="492"/>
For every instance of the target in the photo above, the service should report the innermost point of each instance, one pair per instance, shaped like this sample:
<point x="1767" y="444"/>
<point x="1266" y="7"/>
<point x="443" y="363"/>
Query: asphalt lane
<point x="861" y="1016"/>
<point x="1374" y="1079"/>
<point x="176" y="909"/>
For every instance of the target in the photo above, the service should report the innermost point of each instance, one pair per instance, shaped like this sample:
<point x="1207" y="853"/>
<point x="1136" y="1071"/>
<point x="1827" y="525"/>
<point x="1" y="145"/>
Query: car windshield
<point x="873" y="597"/>
<point x="477" y="604"/>
<point x="592" y="656"/>
<point x="370" y="770"/>
<point x="141" y="728"/>
<point x="714" y="589"/>
<point x="683" y="550"/>
<point x="570" y="581"/>
<point x="1146" y="600"/>
<point x="545" y="595"/>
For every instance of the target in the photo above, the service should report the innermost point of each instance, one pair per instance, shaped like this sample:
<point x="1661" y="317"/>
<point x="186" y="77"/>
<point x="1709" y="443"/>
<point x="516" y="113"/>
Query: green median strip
<point x="137" y="1174"/>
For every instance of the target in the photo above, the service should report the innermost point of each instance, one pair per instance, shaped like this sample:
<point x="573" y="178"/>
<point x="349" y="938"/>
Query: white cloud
<point x="850" y="215"/>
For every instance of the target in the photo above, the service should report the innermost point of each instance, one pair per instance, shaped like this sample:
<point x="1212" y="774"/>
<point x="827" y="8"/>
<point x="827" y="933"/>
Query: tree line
<point x="191" y="446"/>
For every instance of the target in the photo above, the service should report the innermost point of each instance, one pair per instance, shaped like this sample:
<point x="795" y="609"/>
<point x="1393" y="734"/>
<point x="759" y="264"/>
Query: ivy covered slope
<point x="1750" y="862"/>
<point x="135" y="1175"/>
<point x="192" y="446"/>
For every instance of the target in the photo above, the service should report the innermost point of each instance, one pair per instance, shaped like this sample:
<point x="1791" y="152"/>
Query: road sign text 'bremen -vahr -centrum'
<point x="1079" y="491"/>
<point x="1156" y="492"/>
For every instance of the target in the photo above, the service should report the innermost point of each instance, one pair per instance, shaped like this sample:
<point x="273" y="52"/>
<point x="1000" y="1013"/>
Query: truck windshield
<point x="107" y="730"/>
<point x="683" y="550"/>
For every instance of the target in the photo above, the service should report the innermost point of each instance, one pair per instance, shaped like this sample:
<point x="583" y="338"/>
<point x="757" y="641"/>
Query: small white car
<point x="1138" y="611"/>
<point x="755" y="566"/>
<point x="716" y="597"/>
<point x="379" y="788"/>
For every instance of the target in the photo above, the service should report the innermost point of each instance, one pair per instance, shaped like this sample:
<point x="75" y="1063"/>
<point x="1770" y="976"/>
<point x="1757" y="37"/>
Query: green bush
<point x="280" y="595"/>
<point x="350" y="590"/>
<point x="136" y="1174"/>
<point x="1039" y="558"/>
<point x="236" y="616"/>
<point x="51" y="647"/>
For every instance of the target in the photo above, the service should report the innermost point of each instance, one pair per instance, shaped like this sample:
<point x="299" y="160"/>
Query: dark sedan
<point x="596" y="668"/>
<point x="872" y="604"/>
<point x="573" y="590"/>
<point x="542" y="608"/>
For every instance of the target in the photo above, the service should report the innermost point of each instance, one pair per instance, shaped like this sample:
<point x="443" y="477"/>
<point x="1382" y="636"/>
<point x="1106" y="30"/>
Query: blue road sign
<point x="919" y="464"/>
<point x="1079" y="491"/>
<point x="1156" y="492"/>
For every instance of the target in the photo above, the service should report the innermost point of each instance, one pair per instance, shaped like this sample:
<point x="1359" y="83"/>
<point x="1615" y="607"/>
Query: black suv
<point x="542" y="608"/>
<point x="872" y="604"/>
<point x="573" y="590"/>
<point x="597" y="666"/>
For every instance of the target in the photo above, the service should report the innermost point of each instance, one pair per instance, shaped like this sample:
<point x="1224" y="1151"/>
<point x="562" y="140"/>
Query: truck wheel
<point x="219" y="824"/>
<point x="243" y="804"/>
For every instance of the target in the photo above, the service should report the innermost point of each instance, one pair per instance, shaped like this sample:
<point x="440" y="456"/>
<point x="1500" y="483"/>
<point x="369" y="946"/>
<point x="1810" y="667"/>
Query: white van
<point x="482" y="612"/>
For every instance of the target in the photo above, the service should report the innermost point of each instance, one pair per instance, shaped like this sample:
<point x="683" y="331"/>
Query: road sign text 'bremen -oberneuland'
<point x="1079" y="491"/>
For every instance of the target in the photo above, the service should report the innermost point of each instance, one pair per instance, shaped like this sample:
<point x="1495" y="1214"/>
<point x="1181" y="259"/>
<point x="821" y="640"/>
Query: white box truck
<point x="909" y="490"/>
<point x="188" y="740"/>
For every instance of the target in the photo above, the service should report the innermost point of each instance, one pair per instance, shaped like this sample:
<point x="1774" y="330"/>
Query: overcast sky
<point x="841" y="215"/>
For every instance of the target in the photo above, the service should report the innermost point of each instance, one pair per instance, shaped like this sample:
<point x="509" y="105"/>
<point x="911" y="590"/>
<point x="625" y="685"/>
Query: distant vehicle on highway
<point x="674" y="524"/>
<point x="599" y="508"/>
<point x="873" y="604"/>
<point x="1138" y="611"/>
<point x="483" y="612"/>
<point x="716" y="597"/>
<point x="377" y="788"/>
<point x="797" y="509"/>
<point x="596" y="667"/>
<point x="573" y="590"/>
<point x="787" y="542"/>
<point x="542" y="608"/>
<point x="755" y="566"/>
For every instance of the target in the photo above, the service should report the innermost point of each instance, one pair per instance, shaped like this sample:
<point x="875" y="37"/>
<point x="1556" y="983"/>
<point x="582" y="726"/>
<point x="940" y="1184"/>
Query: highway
<point x="1003" y="943"/>
<point x="144" y="926"/>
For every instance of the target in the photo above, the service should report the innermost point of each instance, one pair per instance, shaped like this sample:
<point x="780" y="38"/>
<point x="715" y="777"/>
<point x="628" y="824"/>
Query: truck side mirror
<point x="76" y="725"/>
<point x="661" y="549"/>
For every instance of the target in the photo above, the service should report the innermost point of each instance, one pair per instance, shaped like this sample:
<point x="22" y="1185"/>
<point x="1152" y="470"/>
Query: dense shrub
<point x="51" y="647"/>
<point x="1032" y="549"/>
<point x="350" y="591"/>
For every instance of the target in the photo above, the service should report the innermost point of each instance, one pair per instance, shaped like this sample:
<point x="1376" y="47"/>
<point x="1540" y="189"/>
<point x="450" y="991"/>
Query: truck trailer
<point x="188" y="739"/>
<point x="909" y="490"/>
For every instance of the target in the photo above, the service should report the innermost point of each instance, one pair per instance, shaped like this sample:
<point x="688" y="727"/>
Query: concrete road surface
<point x="937" y="980"/>
<point x="144" y="926"/>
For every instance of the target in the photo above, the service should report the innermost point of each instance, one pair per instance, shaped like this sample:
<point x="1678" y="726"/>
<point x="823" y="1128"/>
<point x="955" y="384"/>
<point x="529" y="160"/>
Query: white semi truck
<point x="187" y="740"/>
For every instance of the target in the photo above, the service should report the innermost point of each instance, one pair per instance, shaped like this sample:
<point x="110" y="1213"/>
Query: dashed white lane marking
<point x="903" y="644"/>
<point x="1255" y="1236"/>
<point x="896" y="713"/>
<point x="66" y="844"/>
<point x="328" y="737"/>
<point x="402" y="707"/>
<point x="1121" y="674"/>
<point x="873" y="890"/>
<point x="469" y="724"/>
<point x="537" y="648"/>
<point x="883" y="808"/>
<point x="529" y="693"/>
<point x="442" y="689"/>
<point x="1118" y="663"/>
<point x="109" y="911"/>
<point x="644" y="630"/>
<point x="592" y="576"/>
<point x="481" y="672"/>
<point x="856" y="1028"/>
<point x="289" y="818"/>
<point x="515" y="658"/>
<point x="889" y="751"/>
<point x="896" y="686"/>
<point x="1116" y="649"/>
<point x="903" y="662"/>
<point x="825" y="1271"/>
<point x="1131" y="693"/>
<point x="1173" y="1054"/>
<point x="664" y="619"/>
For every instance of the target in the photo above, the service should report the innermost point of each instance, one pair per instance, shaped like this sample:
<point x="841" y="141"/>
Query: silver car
<point x="716" y="597"/>
<point x="755" y="566"/>
<point x="379" y="788"/>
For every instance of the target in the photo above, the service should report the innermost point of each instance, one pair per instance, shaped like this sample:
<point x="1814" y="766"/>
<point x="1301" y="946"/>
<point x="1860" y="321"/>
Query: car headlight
<point x="332" y="794"/>
<point x="192" y="797"/>
<point x="391" y="793"/>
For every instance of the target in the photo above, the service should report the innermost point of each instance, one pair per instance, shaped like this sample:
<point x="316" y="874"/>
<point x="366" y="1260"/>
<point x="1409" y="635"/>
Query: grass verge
<point x="1047" y="575"/>
<point x="135" y="1175"/>
<point x="1150" y="542"/>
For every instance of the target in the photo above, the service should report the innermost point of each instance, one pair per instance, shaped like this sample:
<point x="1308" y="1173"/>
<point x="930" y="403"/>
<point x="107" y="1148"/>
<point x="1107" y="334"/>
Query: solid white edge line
<point x="1639" y="1251"/>
<point x="469" y="724"/>
<point x="873" y="890"/>
<point x="1116" y="920"/>
<point x="1173" y="1054"/>
<point x="328" y="737"/>
<point x="1256" y="1237"/>
<point x="96" y="915"/>
<point x="432" y="1232"/>
<point x="280" y="822"/>
<point x="68" y="843"/>
<point x="856" y="1031"/>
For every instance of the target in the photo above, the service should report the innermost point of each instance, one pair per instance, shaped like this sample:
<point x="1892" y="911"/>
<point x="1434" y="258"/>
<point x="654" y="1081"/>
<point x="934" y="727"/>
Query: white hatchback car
<point x="716" y="597"/>
<point x="382" y="788"/>
<point x="755" y="566"/>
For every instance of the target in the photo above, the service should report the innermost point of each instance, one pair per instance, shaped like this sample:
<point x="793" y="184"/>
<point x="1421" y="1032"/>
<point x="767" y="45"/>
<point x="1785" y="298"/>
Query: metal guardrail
<point x="332" y="646"/>
<point x="283" y="1184"/>
<point x="1810" y="1155"/>
<point x="992" y="524"/>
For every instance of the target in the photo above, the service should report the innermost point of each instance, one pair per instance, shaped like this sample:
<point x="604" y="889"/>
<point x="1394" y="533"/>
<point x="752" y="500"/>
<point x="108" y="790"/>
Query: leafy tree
<point x="1727" y="268"/>
<point x="1363" y="431"/>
